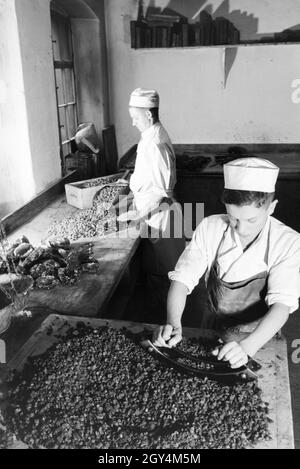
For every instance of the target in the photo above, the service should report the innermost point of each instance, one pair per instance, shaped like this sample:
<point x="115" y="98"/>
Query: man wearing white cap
<point x="152" y="183"/>
<point x="250" y="261"/>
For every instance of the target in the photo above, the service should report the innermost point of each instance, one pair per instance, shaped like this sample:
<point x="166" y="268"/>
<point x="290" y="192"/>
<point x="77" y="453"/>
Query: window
<point x="64" y="81"/>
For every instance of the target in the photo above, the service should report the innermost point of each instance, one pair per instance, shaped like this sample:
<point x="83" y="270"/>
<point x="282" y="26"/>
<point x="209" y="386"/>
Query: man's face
<point x="141" y="118"/>
<point x="248" y="220"/>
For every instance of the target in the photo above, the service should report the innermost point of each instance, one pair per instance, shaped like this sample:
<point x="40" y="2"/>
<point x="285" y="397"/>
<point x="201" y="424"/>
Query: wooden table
<point x="90" y="295"/>
<point x="273" y="377"/>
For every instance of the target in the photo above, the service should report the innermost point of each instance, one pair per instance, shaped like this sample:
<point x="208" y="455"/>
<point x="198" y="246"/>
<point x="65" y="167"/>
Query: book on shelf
<point x="225" y="32"/>
<point x="140" y="34"/>
<point x="132" y="34"/>
<point x="220" y="31"/>
<point x="234" y="35"/>
<point x="185" y="34"/>
<point x="148" y="37"/>
<point x="165" y="37"/>
<point x="182" y="34"/>
<point x="167" y="15"/>
<point x="163" y="18"/>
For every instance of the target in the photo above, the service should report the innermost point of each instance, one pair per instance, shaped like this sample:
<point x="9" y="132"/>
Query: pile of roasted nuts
<point x="97" y="221"/>
<point x="100" y="181"/>
<point x="3" y="433"/>
<point x="107" y="194"/>
<point x="89" y="223"/>
<point x="98" y="388"/>
<point x="50" y="265"/>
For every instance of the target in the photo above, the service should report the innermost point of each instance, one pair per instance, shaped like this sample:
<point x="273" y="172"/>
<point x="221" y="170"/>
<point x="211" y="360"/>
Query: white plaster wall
<point x="29" y="158"/>
<point x="255" y="106"/>
<point x="16" y="172"/>
<point x="37" y="61"/>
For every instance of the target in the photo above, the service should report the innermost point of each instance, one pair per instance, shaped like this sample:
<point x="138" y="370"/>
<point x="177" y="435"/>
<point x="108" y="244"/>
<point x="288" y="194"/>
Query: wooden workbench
<point x="90" y="295"/>
<point x="272" y="378"/>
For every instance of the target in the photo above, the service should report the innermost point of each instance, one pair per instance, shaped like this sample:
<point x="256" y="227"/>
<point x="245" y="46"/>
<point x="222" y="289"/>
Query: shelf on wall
<point x="218" y="46"/>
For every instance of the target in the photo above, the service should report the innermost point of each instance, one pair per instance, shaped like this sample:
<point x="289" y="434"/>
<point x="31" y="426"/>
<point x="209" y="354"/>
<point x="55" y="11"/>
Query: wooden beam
<point x="19" y="217"/>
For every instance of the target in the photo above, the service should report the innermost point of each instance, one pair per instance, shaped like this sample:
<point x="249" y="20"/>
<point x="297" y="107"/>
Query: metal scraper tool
<point x="202" y="366"/>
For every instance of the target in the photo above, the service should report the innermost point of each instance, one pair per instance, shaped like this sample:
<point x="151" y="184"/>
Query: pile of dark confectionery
<point x="98" y="388"/>
<point x="55" y="263"/>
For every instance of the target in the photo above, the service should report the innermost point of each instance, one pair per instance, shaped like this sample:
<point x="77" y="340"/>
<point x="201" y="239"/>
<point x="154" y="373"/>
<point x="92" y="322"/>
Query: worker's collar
<point x="231" y="239"/>
<point x="263" y="235"/>
<point x="150" y="131"/>
<point x="231" y="250"/>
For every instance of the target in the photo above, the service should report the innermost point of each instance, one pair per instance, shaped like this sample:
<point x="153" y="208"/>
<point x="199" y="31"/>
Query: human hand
<point x="232" y="352"/>
<point x="127" y="216"/>
<point x="122" y="181"/>
<point x="167" y="336"/>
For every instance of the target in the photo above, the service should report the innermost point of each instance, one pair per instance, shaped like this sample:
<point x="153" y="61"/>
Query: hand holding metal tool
<point x="203" y="366"/>
<point x="232" y="352"/>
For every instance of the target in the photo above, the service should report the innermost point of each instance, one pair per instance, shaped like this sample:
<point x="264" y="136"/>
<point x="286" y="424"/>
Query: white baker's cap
<point x="144" y="98"/>
<point x="251" y="174"/>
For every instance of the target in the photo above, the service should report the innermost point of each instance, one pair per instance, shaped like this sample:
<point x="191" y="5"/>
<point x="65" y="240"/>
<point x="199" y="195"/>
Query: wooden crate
<point x="81" y="196"/>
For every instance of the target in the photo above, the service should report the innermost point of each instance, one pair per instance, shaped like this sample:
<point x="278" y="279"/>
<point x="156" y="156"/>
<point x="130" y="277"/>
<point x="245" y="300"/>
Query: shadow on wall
<point x="245" y="22"/>
<point x="186" y="8"/>
<point x="291" y="34"/>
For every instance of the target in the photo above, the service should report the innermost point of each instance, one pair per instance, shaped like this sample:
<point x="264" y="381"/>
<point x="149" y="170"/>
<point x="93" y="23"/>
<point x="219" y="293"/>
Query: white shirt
<point x="154" y="175"/>
<point x="276" y="250"/>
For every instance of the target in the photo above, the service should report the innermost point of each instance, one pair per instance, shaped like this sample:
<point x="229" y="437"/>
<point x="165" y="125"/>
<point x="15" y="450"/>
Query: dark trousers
<point x="159" y="256"/>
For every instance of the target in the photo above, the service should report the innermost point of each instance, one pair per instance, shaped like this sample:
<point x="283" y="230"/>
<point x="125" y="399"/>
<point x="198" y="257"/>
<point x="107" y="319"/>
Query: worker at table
<point x="250" y="260"/>
<point x="152" y="184"/>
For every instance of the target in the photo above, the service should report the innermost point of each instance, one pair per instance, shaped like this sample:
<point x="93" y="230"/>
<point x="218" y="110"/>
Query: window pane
<point x="55" y="40"/>
<point x="64" y="39"/>
<point x="69" y="85"/>
<point x="62" y="124"/>
<point x="64" y="76"/>
<point x="72" y="124"/>
<point x="59" y="86"/>
<point x="61" y="33"/>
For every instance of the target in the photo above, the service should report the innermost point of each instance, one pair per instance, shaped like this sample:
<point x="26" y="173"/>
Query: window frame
<point x="67" y="141"/>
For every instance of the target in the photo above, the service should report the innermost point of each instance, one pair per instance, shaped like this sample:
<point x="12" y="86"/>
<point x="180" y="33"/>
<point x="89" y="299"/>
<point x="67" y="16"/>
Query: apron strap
<point x="214" y="285"/>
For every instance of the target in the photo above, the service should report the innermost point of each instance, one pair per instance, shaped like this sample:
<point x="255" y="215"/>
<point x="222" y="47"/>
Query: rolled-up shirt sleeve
<point x="284" y="279"/>
<point x="193" y="262"/>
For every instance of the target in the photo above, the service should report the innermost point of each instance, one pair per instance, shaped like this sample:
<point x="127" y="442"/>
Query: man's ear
<point x="149" y="114"/>
<point x="272" y="207"/>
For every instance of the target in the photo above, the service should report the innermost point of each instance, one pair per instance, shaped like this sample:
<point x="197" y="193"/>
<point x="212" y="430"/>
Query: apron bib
<point x="237" y="302"/>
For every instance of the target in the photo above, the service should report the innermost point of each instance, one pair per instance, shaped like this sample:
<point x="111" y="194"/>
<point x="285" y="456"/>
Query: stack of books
<point x="225" y="32"/>
<point x="167" y="28"/>
<point x="160" y="29"/>
<point x="210" y="32"/>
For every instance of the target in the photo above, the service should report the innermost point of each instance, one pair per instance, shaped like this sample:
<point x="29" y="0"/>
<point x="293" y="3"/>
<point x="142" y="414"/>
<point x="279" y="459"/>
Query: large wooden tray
<point x="273" y="376"/>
